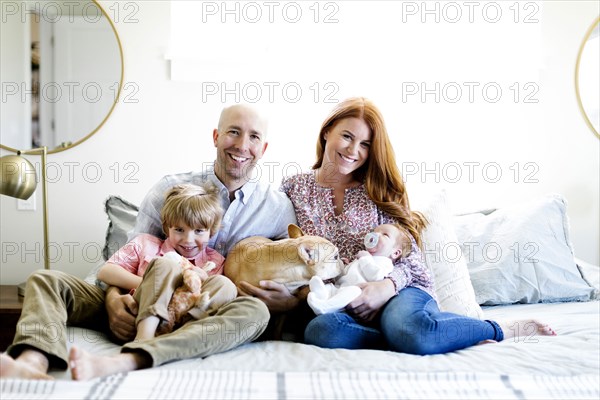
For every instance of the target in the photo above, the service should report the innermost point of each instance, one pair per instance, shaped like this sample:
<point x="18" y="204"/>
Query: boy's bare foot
<point x="87" y="366"/>
<point x="24" y="367"/>
<point x="527" y="328"/>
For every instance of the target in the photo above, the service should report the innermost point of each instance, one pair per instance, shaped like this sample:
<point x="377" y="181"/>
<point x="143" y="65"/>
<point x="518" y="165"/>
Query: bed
<point x="512" y="263"/>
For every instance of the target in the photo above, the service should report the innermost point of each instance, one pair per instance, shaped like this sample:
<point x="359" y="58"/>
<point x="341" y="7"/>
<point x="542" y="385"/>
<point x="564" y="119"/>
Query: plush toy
<point x="186" y="296"/>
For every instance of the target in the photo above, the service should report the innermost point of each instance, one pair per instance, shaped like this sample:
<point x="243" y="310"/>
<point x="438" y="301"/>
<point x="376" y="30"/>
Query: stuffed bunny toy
<point x="186" y="296"/>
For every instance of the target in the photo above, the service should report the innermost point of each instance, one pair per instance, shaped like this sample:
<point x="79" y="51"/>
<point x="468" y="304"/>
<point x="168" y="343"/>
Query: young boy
<point x="190" y="216"/>
<point x="384" y="246"/>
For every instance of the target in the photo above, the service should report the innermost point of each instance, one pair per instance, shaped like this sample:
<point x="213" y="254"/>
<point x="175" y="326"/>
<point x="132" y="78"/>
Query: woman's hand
<point x="275" y="295"/>
<point x="374" y="296"/>
<point x="121" y="310"/>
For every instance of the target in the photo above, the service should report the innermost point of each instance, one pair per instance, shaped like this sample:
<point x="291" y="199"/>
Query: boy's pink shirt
<point x="141" y="250"/>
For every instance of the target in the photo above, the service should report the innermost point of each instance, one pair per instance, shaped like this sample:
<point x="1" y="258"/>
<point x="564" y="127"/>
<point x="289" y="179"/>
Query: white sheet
<point x="575" y="351"/>
<point x="560" y="367"/>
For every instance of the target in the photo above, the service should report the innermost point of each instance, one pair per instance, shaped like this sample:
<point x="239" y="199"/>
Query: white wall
<point x="169" y="130"/>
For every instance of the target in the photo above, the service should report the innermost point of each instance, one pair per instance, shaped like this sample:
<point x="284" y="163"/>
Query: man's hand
<point x="374" y="296"/>
<point x="275" y="295"/>
<point x="121" y="310"/>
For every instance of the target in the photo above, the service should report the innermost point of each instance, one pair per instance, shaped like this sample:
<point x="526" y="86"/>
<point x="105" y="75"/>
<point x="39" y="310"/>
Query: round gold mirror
<point x="62" y="73"/>
<point x="587" y="77"/>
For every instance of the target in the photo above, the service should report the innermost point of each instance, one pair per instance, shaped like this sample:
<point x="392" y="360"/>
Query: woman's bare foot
<point x="87" y="366"/>
<point x="24" y="367"/>
<point x="526" y="329"/>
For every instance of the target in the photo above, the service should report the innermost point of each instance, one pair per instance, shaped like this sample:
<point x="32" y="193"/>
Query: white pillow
<point x="522" y="254"/>
<point x="121" y="219"/>
<point x="446" y="263"/>
<point x="591" y="274"/>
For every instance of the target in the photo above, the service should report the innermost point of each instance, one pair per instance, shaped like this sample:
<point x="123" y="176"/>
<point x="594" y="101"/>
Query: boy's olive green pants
<point x="54" y="299"/>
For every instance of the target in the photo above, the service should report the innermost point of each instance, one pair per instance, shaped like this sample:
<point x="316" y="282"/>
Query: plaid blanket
<point x="186" y="384"/>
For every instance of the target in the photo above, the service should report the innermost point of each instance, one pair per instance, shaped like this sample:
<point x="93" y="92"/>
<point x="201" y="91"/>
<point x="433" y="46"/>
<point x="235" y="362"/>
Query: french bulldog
<point x="291" y="262"/>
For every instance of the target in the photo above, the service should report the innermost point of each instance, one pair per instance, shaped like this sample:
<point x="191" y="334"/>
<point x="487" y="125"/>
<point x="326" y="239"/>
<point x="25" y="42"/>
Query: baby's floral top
<point x="315" y="213"/>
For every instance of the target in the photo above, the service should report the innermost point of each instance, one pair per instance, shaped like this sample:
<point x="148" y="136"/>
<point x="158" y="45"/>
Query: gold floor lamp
<point x="18" y="179"/>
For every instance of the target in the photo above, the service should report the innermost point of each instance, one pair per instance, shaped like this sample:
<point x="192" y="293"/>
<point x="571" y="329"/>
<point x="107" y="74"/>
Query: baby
<point x="384" y="246"/>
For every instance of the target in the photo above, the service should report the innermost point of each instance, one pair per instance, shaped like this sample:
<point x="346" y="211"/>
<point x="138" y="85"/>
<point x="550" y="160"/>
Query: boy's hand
<point x="201" y="272"/>
<point x="121" y="310"/>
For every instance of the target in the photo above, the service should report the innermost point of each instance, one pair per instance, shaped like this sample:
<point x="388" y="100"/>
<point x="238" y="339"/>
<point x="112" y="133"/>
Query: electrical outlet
<point x="26" y="205"/>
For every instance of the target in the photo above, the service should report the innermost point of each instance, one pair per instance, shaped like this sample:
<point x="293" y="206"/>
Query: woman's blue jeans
<point x="410" y="322"/>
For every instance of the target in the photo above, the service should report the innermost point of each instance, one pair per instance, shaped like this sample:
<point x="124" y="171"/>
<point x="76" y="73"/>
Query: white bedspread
<point x="565" y="366"/>
<point x="576" y="350"/>
<point x="185" y="384"/>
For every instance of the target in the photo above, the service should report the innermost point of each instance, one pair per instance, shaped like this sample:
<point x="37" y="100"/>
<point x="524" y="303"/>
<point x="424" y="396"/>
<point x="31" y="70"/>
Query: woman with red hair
<point x="354" y="186"/>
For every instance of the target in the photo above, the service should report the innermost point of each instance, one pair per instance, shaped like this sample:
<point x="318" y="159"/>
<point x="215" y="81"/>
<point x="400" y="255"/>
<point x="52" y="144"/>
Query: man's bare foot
<point x="87" y="366"/>
<point x="526" y="328"/>
<point x="23" y="367"/>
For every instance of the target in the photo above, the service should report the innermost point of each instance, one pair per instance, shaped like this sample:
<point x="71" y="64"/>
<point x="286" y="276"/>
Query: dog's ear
<point x="294" y="231"/>
<point x="307" y="253"/>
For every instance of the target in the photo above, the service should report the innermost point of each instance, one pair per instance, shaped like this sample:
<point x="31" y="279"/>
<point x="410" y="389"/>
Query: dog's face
<point x="319" y="255"/>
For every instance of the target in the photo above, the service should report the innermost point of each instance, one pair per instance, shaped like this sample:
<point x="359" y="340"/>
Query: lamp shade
<point x="18" y="177"/>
